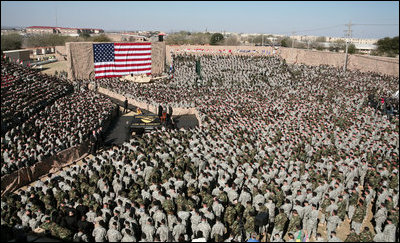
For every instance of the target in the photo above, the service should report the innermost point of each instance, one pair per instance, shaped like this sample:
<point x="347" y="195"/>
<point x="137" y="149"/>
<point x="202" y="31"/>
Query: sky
<point x="306" y="18"/>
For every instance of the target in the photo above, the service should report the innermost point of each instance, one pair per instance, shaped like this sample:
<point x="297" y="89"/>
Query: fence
<point x="26" y="175"/>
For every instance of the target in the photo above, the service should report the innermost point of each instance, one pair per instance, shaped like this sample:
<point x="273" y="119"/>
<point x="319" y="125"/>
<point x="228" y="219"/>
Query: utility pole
<point x="293" y="33"/>
<point x="348" y="36"/>
<point x="262" y="42"/>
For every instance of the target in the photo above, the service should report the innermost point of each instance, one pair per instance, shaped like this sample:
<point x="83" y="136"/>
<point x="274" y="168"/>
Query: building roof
<point x="12" y="51"/>
<point x="50" y="27"/>
<point x="365" y="46"/>
<point x="161" y="33"/>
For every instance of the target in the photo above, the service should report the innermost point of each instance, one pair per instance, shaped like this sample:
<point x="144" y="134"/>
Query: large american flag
<point x="118" y="59"/>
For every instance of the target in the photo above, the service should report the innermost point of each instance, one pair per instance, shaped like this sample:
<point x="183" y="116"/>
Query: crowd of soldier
<point x="295" y="142"/>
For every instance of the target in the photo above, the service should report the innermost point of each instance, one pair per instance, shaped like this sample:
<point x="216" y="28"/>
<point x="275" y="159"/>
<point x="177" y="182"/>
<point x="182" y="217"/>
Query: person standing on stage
<point x="125" y="105"/>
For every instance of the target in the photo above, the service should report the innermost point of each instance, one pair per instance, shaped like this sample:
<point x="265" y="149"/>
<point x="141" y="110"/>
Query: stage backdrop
<point x="81" y="56"/>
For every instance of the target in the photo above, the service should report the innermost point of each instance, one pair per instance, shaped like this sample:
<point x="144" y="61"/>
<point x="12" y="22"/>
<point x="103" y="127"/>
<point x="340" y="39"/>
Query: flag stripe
<point x="132" y="44"/>
<point x="125" y="70"/>
<point x="132" y="47"/>
<point x="122" y="65"/>
<point x="123" y="50"/>
<point x="118" y="59"/>
<point x="132" y="53"/>
<point x="112" y="74"/>
<point x="122" y="68"/>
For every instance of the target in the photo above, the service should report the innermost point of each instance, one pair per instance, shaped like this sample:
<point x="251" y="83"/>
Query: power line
<point x="375" y="24"/>
<point x="324" y="28"/>
<point x="331" y="27"/>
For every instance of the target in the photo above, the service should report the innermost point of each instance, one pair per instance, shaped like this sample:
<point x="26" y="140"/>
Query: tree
<point x="321" y="39"/>
<point x="84" y="35"/>
<point x="232" y="41"/>
<point x="388" y="46"/>
<point x="338" y="45"/>
<point x="286" y="42"/>
<point x="216" y="39"/>
<point x="11" y="42"/>
<point x="351" y="49"/>
<point x="46" y="40"/>
<point x="101" y="38"/>
<point x="179" y="38"/>
<point x="319" y="47"/>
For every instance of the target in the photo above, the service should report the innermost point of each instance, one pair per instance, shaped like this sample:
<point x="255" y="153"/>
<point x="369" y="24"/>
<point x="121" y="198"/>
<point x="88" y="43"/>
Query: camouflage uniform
<point x="358" y="219"/>
<point x="168" y="205"/>
<point x="280" y="221"/>
<point x="366" y="236"/>
<point x="352" y="237"/>
<point x="249" y="226"/>
<point x="324" y="205"/>
<point x="294" y="222"/>
<point x="353" y="199"/>
<point x="342" y="209"/>
<point x="230" y="215"/>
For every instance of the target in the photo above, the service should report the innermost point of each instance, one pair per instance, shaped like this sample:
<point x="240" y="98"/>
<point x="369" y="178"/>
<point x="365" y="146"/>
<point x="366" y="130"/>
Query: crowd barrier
<point x="26" y="175"/>
<point x="177" y="111"/>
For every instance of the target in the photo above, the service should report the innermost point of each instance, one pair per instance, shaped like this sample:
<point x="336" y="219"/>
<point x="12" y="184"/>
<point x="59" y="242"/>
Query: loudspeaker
<point x="261" y="219"/>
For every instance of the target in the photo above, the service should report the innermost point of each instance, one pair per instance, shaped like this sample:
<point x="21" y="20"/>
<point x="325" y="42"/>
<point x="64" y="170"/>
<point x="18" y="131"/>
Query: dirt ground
<point x="58" y="66"/>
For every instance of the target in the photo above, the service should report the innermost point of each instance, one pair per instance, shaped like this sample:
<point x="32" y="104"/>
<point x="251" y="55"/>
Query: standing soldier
<point x="294" y="222"/>
<point x="332" y="223"/>
<point x="205" y="227"/>
<point x="230" y="215"/>
<point x="353" y="199"/>
<point x="113" y="234"/>
<point x="341" y="208"/>
<point x="249" y="225"/>
<point x="353" y="236"/>
<point x="280" y="221"/>
<point x="237" y="228"/>
<point x="325" y="203"/>
<point x="99" y="233"/>
<point x="358" y="217"/>
<point x="366" y="235"/>
<point x="380" y="218"/>
<point x="390" y="231"/>
<point x="312" y="221"/>
<point x="217" y="229"/>
<point x="163" y="231"/>
<point x="125" y="105"/>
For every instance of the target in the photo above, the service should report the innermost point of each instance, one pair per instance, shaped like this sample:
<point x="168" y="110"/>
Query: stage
<point x="144" y="123"/>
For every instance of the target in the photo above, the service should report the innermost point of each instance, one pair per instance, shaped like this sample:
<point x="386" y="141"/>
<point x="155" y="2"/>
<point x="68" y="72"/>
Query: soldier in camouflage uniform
<point x="168" y="205"/>
<point x="358" y="217"/>
<point x="249" y="226"/>
<point x="294" y="222"/>
<point x="280" y="221"/>
<point x="341" y="208"/>
<point x="237" y="228"/>
<point x="353" y="200"/>
<point x="325" y="203"/>
<point x="366" y="235"/>
<point x="230" y="215"/>
<point x="353" y="236"/>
